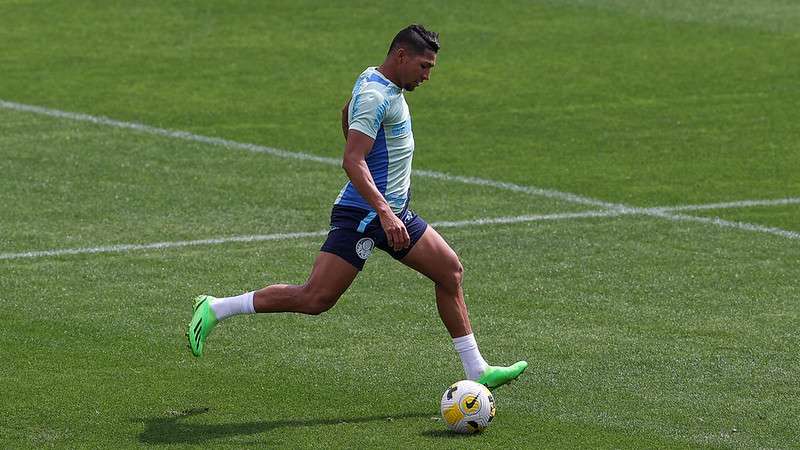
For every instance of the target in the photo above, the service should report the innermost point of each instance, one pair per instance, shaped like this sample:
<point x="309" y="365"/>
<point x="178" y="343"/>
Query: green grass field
<point x="673" y="328"/>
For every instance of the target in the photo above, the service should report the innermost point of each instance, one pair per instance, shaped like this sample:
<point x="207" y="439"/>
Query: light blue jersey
<point x="379" y="110"/>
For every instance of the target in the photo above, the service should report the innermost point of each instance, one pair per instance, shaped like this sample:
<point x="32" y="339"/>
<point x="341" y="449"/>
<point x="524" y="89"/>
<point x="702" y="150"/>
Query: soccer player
<point x="372" y="210"/>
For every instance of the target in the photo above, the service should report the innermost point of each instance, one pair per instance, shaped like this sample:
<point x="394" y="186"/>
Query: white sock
<point x="467" y="348"/>
<point x="231" y="306"/>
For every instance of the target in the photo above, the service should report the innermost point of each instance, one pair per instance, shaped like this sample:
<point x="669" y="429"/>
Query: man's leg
<point x="433" y="257"/>
<point x="330" y="277"/>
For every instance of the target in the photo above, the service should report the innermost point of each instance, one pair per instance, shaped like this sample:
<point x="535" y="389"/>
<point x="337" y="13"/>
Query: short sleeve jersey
<point x="379" y="110"/>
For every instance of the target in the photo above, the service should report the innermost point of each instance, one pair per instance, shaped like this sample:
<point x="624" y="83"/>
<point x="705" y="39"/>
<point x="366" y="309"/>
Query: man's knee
<point x="453" y="278"/>
<point x="319" y="301"/>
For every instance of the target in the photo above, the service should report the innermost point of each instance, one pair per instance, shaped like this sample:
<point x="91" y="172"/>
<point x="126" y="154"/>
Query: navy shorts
<point x="345" y="239"/>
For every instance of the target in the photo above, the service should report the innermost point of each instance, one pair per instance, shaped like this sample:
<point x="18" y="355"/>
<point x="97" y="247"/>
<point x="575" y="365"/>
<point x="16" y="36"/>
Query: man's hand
<point x="395" y="230"/>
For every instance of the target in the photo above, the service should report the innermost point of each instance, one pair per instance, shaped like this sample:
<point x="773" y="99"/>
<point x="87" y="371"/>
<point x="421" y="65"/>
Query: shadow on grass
<point x="171" y="429"/>
<point x="447" y="434"/>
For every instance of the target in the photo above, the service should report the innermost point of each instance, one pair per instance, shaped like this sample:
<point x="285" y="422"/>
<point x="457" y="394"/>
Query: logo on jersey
<point x="364" y="247"/>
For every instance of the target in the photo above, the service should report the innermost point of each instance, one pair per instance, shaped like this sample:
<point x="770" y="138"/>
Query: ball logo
<point x="467" y="407"/>
<point x="470" y="404"/>
<point x="364" y="247"/>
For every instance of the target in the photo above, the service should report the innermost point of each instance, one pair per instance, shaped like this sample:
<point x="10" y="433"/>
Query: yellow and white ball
<point x="467" y="407"/>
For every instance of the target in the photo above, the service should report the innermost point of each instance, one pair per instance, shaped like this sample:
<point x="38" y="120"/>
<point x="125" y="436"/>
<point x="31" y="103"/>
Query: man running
<point x="372" y="210"/>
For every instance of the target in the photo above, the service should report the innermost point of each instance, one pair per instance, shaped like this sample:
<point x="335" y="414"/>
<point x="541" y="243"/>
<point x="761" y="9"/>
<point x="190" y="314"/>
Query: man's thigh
<point x="331" y="274"/>
<point x="433" y="257"/>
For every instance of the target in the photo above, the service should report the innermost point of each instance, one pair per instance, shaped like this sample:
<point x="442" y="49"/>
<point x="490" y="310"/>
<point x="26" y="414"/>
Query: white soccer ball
<point x="467" y="407"/>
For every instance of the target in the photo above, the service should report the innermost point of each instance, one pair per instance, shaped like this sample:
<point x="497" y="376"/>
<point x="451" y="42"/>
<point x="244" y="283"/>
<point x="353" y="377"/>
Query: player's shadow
<point x="172" y="430"/>
<point x="447" y="434"/>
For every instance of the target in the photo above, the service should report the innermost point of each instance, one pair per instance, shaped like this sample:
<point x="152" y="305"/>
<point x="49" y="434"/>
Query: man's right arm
<point x="355" y="165"/>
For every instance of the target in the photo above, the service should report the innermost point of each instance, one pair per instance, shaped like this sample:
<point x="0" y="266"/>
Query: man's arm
<point x="355" y="165"/>
<point x="345" y="122"/>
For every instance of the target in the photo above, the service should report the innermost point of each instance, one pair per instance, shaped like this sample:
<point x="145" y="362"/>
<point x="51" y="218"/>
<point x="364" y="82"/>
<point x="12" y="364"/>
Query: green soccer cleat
<point x="203" y="321"/>
<point x="496" y="376"/>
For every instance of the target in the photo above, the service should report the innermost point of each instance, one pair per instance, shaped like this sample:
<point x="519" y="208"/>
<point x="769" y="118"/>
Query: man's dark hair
<point x="416" y="39"/>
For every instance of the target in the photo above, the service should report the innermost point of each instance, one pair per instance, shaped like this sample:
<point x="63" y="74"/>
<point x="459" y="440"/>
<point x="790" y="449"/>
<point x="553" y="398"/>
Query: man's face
<point x="415" y="69"/>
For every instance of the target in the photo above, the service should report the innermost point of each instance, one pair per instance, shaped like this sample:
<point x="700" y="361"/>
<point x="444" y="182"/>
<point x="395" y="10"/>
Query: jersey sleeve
<point x="367" y="110"/>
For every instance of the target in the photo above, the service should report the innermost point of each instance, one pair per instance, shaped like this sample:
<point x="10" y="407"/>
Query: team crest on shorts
<point x="364" y="247"/>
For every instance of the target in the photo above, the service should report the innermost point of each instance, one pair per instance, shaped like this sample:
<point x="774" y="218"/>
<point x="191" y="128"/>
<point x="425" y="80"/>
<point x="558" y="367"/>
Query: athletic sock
<point x="231" y="306"/>
<point x="471" y="359"/>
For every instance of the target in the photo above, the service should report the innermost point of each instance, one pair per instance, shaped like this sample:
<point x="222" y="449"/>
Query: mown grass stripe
<point x="657" y="212"/>
<point x="615" y="208"/>
<point x="185" y="135"/>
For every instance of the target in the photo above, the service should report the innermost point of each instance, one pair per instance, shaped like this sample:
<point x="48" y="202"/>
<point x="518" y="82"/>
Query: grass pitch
<point x="641" y="332"/>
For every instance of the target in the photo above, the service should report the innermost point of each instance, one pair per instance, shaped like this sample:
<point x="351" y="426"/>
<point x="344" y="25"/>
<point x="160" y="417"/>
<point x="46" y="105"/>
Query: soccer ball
<point x="467" y="407"/>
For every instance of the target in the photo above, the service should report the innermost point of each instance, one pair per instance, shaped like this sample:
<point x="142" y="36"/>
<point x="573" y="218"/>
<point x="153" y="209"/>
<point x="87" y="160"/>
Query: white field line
<point x="532" y="190"/>
<point x="565" y="196"/>
<point x="445" y="224"/>
<point x="176" y="134"/>
<point x="666" y="213"/>
<point x="730" y="224"/>
<point x="739" y="204"/>
<point x="121" y="248"/>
